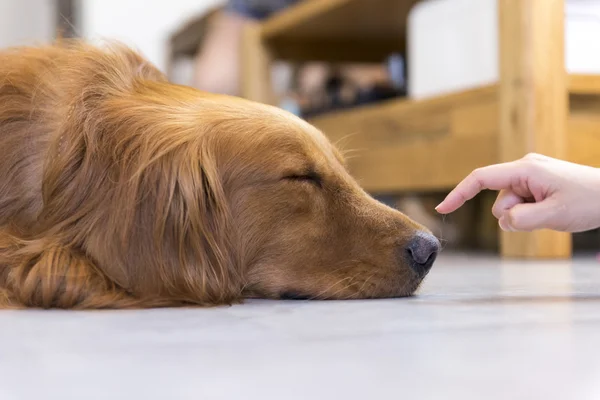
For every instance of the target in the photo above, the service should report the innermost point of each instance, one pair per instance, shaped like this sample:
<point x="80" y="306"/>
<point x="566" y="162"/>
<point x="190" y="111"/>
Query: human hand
<point x="535" y="192"/>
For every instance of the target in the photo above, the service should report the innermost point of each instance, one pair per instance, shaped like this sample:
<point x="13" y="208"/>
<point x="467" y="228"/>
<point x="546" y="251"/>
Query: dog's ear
<point x="180" y="238"/>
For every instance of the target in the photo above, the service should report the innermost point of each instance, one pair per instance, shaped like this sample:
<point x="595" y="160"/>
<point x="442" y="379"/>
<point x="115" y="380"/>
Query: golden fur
<point x="119" y="189"/>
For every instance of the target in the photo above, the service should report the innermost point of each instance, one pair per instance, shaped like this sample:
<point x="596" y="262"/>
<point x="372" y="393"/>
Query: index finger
<point x="494" y="177"/>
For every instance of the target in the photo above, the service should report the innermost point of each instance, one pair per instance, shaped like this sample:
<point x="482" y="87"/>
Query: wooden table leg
<point x="533" y="103"/>
<point x="256" y="63"/>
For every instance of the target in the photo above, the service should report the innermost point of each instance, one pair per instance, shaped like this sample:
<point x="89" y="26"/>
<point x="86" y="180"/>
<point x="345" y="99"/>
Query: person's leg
<point x="217" y="63"/>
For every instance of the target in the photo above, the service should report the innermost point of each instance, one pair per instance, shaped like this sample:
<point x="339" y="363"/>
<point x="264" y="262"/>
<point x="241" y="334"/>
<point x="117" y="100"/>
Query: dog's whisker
<point x="318" y="295"/>
<point x="339" y="142"/>
<point x="365" y="282"/>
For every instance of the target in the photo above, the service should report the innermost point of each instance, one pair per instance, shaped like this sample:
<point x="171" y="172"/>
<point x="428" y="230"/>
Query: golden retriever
<point x="121" y="190"/>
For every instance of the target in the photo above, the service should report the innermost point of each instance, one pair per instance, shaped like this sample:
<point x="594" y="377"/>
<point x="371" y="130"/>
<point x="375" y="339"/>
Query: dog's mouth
<point x="400" y="289"/>
<point x="290" y="295"/>
<point x="409" y="289"/>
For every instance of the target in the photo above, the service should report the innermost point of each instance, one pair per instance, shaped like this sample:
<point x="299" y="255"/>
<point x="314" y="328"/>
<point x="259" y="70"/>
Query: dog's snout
<point x="421" y="252"/>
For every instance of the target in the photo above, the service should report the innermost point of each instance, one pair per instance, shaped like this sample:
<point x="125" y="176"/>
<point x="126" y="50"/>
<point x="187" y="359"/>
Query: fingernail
<point x="501" y="225"/>
<point x="504" y="225"/>
<point x="507" y="228"/>
<point x="508" y="222"/>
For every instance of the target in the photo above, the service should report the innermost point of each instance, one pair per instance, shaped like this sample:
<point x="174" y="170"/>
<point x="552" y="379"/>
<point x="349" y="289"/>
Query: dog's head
<point x="210" y="198"/>
<point x="304" y="226"/>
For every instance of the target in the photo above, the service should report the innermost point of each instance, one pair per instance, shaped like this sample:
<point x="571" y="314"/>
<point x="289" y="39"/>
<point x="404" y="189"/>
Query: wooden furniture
<point x="407" y="145"/>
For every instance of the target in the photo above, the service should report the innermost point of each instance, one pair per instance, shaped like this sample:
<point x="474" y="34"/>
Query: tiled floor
<point x="480" y="329"/>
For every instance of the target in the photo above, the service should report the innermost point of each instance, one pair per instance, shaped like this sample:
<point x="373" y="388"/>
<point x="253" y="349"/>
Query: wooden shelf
<point x="416" y="145"/>
<point x="584" y="84"/>
<point x="339" y="30"/>
<point x="392" y="145"/>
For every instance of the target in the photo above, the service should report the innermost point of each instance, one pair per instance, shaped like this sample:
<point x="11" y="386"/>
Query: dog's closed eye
<point x="309" y="177"/>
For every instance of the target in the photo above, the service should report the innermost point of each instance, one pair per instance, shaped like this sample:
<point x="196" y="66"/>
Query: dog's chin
<point x="404" y="290"/>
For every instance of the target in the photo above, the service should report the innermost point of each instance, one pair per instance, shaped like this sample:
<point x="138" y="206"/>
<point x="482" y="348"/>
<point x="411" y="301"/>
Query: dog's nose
<point x="421" y="252"/>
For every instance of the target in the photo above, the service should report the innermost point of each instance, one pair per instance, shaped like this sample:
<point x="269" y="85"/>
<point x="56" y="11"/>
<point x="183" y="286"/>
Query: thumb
<point x="532" y="216"/>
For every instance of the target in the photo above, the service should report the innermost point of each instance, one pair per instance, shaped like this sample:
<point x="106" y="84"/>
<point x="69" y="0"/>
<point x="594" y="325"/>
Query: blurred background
<point x="416" y="92"/>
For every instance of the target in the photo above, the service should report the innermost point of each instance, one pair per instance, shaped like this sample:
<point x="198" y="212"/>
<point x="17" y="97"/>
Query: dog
<point x="119" y="190"/>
